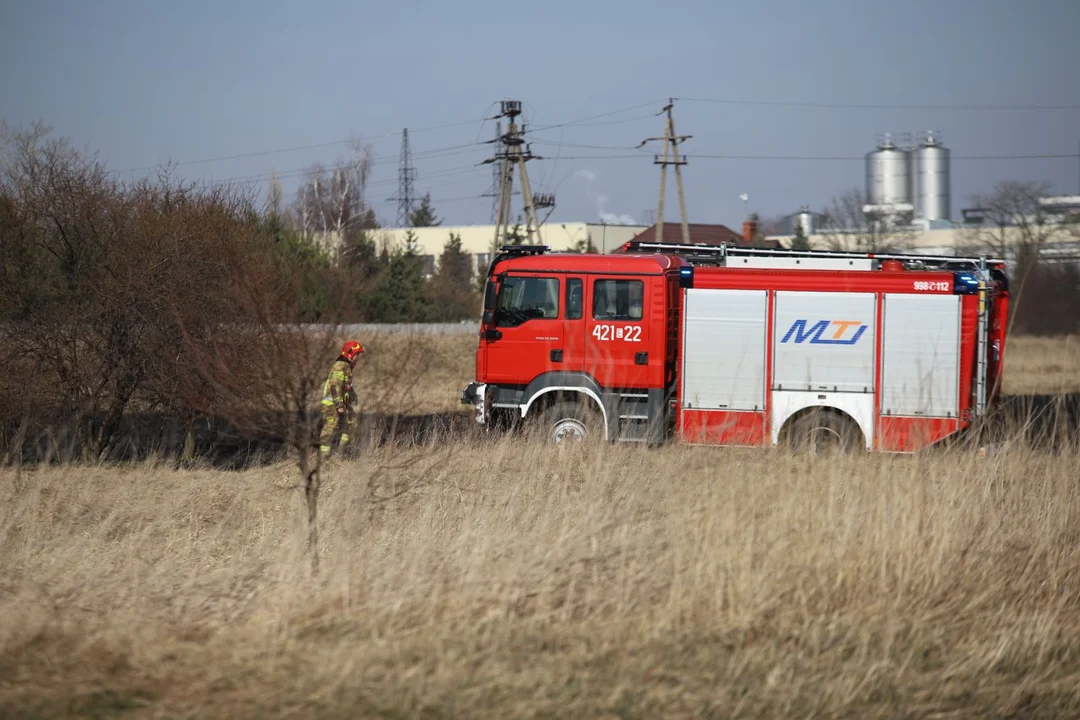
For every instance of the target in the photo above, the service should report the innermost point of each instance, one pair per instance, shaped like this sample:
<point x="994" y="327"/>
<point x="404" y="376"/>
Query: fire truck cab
<point x="735" y="346"/>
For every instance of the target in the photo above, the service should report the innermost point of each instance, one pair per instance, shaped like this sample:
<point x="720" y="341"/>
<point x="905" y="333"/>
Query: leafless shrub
<point x="1016" y="226"/>
<point x="846" y="227"/>
<point x="98" y="278"/>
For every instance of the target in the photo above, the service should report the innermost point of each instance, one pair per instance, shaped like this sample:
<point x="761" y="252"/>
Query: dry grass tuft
<point x="414" y="374"/>
<point x="1042" y="365"/>
<point x="514" y="581"/>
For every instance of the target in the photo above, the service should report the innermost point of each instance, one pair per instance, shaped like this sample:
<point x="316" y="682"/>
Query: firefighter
<point x="339" y="397"/>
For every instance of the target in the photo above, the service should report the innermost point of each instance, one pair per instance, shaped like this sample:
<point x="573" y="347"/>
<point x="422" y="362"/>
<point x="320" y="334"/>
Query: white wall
<point x="477" y="240"/>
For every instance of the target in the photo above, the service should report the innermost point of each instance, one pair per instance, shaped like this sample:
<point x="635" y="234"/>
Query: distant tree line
<point x="334" y="237"/>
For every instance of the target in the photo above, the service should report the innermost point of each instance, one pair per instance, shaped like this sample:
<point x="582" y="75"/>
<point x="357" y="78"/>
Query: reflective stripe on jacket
<point x="338" y="384"/>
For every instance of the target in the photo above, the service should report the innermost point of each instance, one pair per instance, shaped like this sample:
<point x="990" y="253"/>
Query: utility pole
<point x="406" y="192"/>
<point x="514" y="153"/>
<point x="670" y="157"/>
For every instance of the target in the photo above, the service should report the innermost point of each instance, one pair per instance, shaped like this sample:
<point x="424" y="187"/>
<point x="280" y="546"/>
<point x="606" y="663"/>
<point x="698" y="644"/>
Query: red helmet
<point x="351" y="349"/>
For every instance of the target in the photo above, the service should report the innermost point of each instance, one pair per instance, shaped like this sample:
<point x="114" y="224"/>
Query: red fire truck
<point x="724" y="345"/>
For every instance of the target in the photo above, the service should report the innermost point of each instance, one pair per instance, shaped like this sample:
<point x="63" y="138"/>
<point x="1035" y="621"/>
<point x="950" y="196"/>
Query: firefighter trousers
<point x="332" y="422"/>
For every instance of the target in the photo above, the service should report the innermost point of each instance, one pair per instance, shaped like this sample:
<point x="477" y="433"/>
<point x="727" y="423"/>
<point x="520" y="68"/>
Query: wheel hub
<point x="570" y="430"/>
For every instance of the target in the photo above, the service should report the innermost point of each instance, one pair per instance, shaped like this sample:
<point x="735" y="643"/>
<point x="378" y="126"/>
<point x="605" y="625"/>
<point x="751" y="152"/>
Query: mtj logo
<point x="826" y="332"/>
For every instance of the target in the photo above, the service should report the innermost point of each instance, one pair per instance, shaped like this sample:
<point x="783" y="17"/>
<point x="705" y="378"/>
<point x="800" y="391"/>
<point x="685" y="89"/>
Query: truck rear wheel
<point x="570" y="422"/>
<point x="823" y="432"/>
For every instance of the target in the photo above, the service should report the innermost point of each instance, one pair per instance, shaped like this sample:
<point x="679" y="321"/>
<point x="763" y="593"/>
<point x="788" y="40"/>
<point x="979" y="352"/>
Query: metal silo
<point x="888" y="174"/>
<point x="806" y="219"/>
<point x="932" y="179"/>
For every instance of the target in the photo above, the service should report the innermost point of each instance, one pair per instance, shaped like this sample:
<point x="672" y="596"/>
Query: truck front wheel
<point x="570" y="422"/>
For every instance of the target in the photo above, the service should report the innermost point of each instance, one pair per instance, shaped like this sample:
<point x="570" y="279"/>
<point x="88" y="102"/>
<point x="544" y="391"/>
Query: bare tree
<point x="846" y="227"/>
<point x="264" y="372"/>
<point x="332" y="199"/>
<point x="1014" y="223"/>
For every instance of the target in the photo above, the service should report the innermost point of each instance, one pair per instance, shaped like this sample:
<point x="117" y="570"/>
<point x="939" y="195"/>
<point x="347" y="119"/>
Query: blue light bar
<point x="965" y="284"/>
<point x="686" y="276"/>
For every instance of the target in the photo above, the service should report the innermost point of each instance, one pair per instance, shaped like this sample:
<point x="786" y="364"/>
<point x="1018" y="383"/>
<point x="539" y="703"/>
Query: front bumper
<point x="475" y="394"/>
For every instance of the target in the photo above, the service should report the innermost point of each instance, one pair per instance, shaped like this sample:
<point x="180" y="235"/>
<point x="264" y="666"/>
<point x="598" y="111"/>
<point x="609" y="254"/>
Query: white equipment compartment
<point x="824" y="341"/>
<point x="921" y="355"/>
<point x="724" y="349"/>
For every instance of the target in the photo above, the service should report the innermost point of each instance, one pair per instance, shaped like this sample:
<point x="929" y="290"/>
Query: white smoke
<point x="612" y="218"/>
<point x="589" y="178"/>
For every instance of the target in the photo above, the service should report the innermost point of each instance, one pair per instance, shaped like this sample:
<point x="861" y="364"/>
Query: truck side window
<point x="526" y="298"/>
<point x="618" y="299"/>
<point x="574" y="298"/>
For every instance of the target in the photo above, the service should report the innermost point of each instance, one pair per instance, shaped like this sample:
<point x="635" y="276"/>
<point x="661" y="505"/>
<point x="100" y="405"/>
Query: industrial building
<point x="908" y="181"/>
<point x="477" y="240"/>
<point x="908" y="192"/>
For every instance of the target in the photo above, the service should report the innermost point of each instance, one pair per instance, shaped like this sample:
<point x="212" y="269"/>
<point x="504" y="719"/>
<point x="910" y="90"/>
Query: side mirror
<point x="489" y="317"/>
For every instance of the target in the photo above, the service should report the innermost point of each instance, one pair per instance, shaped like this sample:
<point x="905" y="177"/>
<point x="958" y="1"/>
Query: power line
<point x="582" y="122"/>
<point x="302" y="172"/>
<point x="697" y="156"/>
<point x="590" y="147"/>
<point x="585" y="122"/>
<point x="461" y="198"/>
<point x="579" y="121"/>
<point x="468" y="169"/>
<point x="637" y="118"/>
<point x="876" y="106"/>
<point x="275" y="151"/>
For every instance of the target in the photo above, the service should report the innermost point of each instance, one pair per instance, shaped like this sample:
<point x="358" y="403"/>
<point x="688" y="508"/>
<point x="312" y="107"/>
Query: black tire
<point x="824" y="432"/>
<point x="572" y="421"/>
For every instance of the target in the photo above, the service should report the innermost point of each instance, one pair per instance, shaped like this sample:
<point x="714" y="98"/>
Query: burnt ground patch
<point x="1044" y="422"/>
<point x="221" y="443"/>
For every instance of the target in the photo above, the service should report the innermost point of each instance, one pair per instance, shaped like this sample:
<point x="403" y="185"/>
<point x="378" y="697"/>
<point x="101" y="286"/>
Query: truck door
<point x="573" y="346"/>
<point x="530" y="329"/>
<point x="617" y="345"/>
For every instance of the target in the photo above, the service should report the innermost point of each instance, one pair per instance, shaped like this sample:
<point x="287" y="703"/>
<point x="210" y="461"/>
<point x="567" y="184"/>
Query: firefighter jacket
<point x="337" y="390"/>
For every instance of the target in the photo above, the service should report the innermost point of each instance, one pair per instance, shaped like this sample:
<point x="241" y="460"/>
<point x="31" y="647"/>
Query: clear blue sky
<point x="143" y="82"/>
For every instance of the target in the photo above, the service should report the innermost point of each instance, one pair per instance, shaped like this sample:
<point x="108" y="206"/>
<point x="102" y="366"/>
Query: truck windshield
<point x="526" y="298"/>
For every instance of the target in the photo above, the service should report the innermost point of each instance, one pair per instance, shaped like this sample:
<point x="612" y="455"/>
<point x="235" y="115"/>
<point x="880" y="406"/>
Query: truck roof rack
<point x="524" y="249"/>
<point x="705" y="254"/>
<point x="510" y="251"/>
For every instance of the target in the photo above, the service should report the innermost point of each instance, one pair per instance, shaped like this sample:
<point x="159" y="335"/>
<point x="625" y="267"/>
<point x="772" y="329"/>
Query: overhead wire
<point x="585" y="122"/>
<point x="275" y="151"/>
<point x="709" y="156"/>
<point x="579" y="121"/>
<point x="622" y="152"/>
<point x="302" y="172"/>
<point x="874" y="106"/>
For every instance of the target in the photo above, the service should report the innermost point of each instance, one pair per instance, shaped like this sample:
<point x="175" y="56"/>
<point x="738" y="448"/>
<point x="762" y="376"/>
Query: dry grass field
<point x="434" y="369"/>
<point x="500" y="579"/>
<point x="1042" y="365"/>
